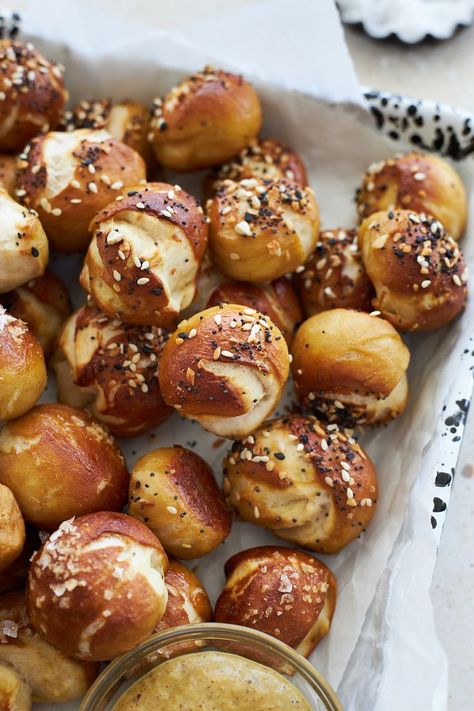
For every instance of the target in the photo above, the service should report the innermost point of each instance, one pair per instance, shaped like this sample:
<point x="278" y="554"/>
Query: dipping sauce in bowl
<point x="212" y="681"/>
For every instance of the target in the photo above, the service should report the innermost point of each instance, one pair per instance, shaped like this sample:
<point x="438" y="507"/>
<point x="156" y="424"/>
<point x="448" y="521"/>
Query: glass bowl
<point x="131" y="667"/>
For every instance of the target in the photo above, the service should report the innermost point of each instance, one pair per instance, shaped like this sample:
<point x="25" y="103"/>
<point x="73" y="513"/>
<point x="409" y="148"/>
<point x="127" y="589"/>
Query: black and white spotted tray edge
<point x="442" y="129"/>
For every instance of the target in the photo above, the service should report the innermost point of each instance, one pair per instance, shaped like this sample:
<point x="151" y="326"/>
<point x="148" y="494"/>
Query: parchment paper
<point x="382" y="652"/>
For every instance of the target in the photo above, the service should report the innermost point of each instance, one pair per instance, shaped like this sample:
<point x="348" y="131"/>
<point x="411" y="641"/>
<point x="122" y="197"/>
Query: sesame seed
<point x="345" y="466"/>
<point x="349" y="493"/>
<point x="192" y="333"/>
<point x="227" y="354"/>
<point x="172" y="509"/>
<point x="425" y="284"/>
<point x="329" y="481"/>
<point x="256" y="512"/>
<point x="91" y="168"/>
<point x="20" y="192"/>
<point x="170" y="194"/>
<point x="114" y="237"/>
<point x="117" y="275"/>
<point x="137" y="262"/>
<point x="457" y="280"/>
<point x="92" y="187"/>
<point x="56" y="211"/>
<point x="105" y="179"/>
<point x="243" y="228"/>
<point x="140" y="206"/>
<point x="225" y="210"/>
<point x="216" y="353"/>
<point x="419" y="176"/>
<point x="117" y="185"/>
<point x="345" y="476"/>
<point x="375" y="313"/>
<point x="218" y="319"/>
<point x="75" y="184"/>
<point x="142" y="281"/>
<point x="234" y="256"/>
<point x="75" y="201"/>
<point x="324" y="445"/>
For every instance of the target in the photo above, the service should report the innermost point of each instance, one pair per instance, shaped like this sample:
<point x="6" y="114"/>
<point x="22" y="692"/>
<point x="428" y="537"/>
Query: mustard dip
<point x="212" y="681"/>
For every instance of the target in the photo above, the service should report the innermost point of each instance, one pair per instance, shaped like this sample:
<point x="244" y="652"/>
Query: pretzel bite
<point x="350" y="368"/>
<point x="417" y="269"/>
<point x="23" y="244"/>
<point x="309" y="484"/>
<point x="283" y="592"/>
<point x="333" y="277"/>
<point x="145" y="255"/>
<point x="59" y="463"/>
<point x="266" y="159"/>
<point x="127" y="121"/>
<point x="188" y="601"/>
<point x="96" y="587"/>
<point x="261" y="229"/>
<point x="420" y="182"/>
<point x="43" y="303"/>
<point x="174" y="492"/>
<point x="205" y="120"/>
<point x="49" y="675"/>
<point x="68" y="177"/>
<point x="277" y="300"/>
<point x="12" y="528"/>
<point x="22" y="367"/>
<point x="33" y="94"/>
<point x="8" y="173"/>
<point x="226" y="368"/>
<point x="111" y="369"/>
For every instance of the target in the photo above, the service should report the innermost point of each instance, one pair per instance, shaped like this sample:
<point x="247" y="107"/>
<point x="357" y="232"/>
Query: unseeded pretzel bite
<point x="33" y="94"/>
<point x="266" y="159"/>
<point x="49" y="674"/>
<point x="96" y="587"/>
<point x="278" y="300"/>
<point x="173" y="491"/>
<point x="334" y="277"/>
<point x="68" y="177"/>
<point x="285" y="593"/>
<point x="43" y="303"/>
<point x="8" y="173"/>
<point x="417" y="269"/>
<point x="350" y="368"/>
<point x="420" y="182"/>
<point x="226" y="368"/>
<point x="205" y="120"/>
<point x="261" y="229"/>
<point x="12" y="528"/>
<point x="15" y="693"/>
<point x="188" y="601"/>
<point x="111" y="369"/>
<point x="145" y="255"/>
<point x="308" y="482"/>
<point x="22" y="368"/>
<point x="59" y="463"/>
<point x="127" y="121"/>
<point x="24" y="248"/>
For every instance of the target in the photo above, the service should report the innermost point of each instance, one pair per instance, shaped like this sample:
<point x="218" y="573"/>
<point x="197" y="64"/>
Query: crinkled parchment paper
<point x="382" y="652"/>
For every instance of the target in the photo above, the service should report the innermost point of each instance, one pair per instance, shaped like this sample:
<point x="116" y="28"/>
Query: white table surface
<point x="442" y="71"/>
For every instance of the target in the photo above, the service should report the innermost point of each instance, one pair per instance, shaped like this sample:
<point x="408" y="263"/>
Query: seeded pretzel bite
<point x="68" y="177"/>
<point x="23" y="244"/>
<point x="277" y="300"/>
<point x="173" y="491"/>
<point x="262" y="229"/>
<point x="127" y="121"/>
<point x="226" y="368"/>
<point x="420" y="182"/>
<point x="417" y="269"/>
<point x="145" y="255"/>
<point x="334" y="277"/>
<point x="266" y="159"/>
<point x="8" y="173"/>
<point x="33" y="94"/>
<point x="49" y="674"/>
<point x="350" y="368"/>
<point x="205" y="120"/>
<point x="308" y="482"/>
<point x="96" y="587"/>
<point x="22" y="367"/>
<point x="59" y="463"/>
<point x="111" y="369"/>
<point x="283" y="592"/>
<point x="43" y="303"/>
<point x="12" y="528"/>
